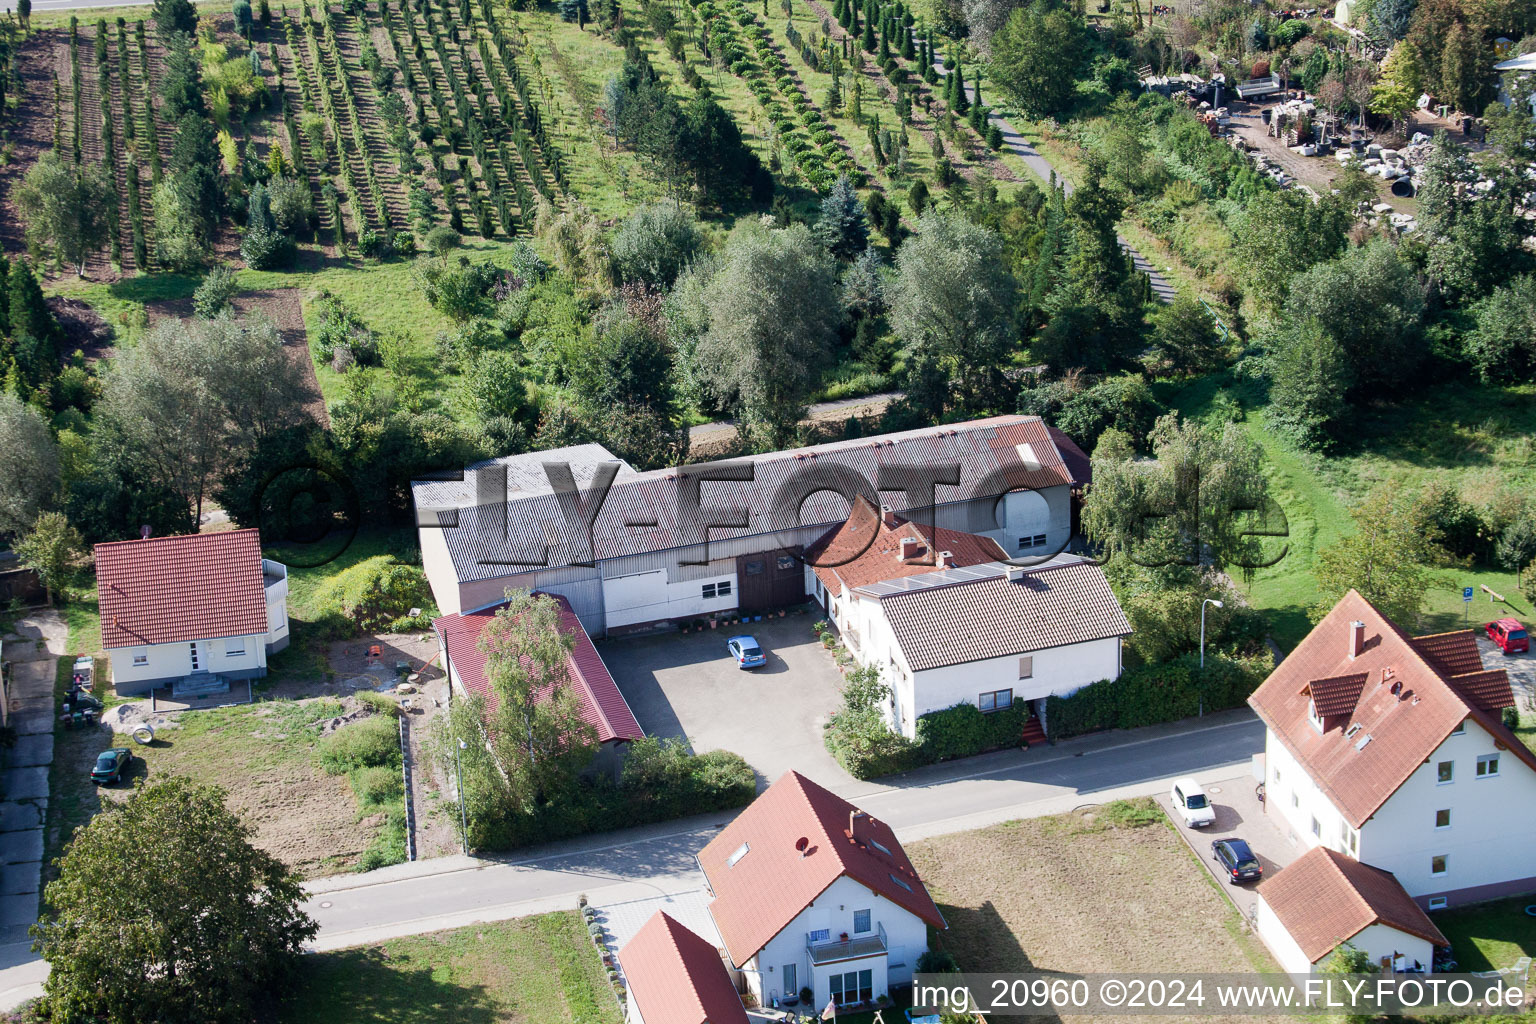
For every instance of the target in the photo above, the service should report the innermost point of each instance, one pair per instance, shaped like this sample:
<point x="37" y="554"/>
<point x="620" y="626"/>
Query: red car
<point x="1509" y="635"/>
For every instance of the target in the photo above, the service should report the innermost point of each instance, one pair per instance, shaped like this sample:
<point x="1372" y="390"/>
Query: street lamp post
<point x="1218" y="604"/>
<point x="458" y="772"/>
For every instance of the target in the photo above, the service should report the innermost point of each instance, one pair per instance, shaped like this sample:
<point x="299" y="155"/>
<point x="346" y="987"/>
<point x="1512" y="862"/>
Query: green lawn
<point x="538" y="970"/>
<point x="1473" y="436"/>
<point x="1489" y="936"/>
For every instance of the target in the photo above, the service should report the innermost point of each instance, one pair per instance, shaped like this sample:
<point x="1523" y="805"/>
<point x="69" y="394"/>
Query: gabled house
<point x="1390" y="750"/>
<point x="947" y="621"/>
<point x="812" y="893"/>
<point x="676" y="977"/>
<point x="1325" y="899"/>
<point x="502" y="525"/>
<point x="602" y="705"/>
<point x="191" y="612"/>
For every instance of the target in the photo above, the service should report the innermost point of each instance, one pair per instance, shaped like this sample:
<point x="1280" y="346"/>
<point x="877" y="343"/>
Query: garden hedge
<point x="1150" y="694"/>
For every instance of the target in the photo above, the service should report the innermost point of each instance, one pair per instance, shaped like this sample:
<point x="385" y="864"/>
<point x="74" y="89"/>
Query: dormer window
<point x="1312" y="715"/>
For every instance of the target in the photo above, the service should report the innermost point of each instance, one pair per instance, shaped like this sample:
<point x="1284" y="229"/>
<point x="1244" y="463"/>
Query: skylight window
<point x="877" y="844"/>
<point x="1360" y="744"/>
<point x="1349" y="733"/>
<point x="901" y="882"/>
<point x="741" y="851"/>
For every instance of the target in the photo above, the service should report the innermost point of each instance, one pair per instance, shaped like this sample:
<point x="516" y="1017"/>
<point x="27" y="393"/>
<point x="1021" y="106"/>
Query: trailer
<point x="1256" y="88"/>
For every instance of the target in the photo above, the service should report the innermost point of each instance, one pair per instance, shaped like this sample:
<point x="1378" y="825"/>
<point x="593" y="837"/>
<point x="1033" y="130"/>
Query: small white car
<point x="1191" y="803"/>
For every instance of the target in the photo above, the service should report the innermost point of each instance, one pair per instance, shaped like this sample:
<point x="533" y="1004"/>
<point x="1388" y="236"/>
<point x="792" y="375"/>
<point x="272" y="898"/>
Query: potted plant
<point x="806" y="995"/>
<point x="843" y="937"/>
<point x="819" y="626"/>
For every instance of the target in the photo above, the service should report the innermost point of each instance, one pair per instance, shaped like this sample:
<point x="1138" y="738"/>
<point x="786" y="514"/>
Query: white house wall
<point x="1284" y="948"/>
<point x="650" y="596"/>
<point x="1490" y="846"/>
<point x="906" y="939"/>
<point x="1056" y="670"/>
<point x="1291" y="791"/>
<point x="437" y="563"/>
<point x="164" y="662"/>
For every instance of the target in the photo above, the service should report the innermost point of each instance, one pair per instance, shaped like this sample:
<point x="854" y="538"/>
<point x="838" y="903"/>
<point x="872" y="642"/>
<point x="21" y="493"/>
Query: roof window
<point x="741" y="851"/>
<point x="877" y="844"/>
<point x="901" y="882"/>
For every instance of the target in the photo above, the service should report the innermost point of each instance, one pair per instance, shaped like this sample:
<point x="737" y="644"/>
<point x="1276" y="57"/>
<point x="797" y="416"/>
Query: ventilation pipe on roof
<point x="1356" y="639"/>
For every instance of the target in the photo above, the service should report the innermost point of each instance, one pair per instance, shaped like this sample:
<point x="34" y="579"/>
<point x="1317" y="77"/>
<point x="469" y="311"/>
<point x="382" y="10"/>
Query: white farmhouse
<point x="947" y="621"/>
<point x="1390" y="750"/>
<point x="812" y="893"/>
<point x="192" y="612"/>
<point x="502" y="525"/>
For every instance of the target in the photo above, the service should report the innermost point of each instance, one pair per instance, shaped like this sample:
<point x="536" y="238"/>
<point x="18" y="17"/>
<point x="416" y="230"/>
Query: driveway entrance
<point x="686" y="685"/>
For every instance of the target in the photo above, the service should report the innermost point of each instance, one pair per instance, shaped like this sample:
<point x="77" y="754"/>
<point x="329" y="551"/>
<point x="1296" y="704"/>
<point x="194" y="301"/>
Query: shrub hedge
<point x="866" y="749"/>
<point x="660" y="780"/>
<point x="1150" y="694"/>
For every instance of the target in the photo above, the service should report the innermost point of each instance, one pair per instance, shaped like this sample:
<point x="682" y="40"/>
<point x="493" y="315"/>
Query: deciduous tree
<point x="65" y="207"/>
<point x="1383" y="558"/>
<point x="51" y="547"/>
<point x="773" y="312"/>
<point x="164" y="910"/>
<point x="29" y="472"/>
<point x="1037" y="56"/>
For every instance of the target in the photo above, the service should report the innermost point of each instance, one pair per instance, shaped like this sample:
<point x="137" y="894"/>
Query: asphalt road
<point x="450" y="892"/>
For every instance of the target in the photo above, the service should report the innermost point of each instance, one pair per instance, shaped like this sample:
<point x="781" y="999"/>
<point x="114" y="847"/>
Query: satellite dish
<point x="144" y="532"/>
<point x="802" y="843"/>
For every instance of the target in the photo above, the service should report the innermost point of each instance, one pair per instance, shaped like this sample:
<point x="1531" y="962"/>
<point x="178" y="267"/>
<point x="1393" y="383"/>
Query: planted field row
<point x="747" y="47"/>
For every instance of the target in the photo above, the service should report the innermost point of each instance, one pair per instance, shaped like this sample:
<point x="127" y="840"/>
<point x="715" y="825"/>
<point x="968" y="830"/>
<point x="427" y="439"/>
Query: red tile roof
<point x="675" y="977"/>
<point x="169" y="590"/>
<point x="1450" y="653"/>
<point x="1337" y="696"/>
<point x="1405" y="710"/>
<point x="1324" y="898"/>
<point x="953" y="622"/>
<point x="768" y="886"/>
<point x="865" y="550"/>
<point x="602" y="705"/>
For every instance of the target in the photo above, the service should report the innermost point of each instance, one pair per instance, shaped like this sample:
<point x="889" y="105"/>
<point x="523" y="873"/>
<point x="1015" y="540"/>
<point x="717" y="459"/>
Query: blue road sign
<point x="1466" y="593"/>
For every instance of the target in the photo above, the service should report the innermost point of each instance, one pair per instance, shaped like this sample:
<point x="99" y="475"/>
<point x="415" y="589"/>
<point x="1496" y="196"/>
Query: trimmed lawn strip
<point x="1489" y="936"/>
<point x="538" y="970"/>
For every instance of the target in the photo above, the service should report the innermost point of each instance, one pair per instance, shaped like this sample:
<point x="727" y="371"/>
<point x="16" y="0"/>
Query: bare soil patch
<point x="1080" y="893"/>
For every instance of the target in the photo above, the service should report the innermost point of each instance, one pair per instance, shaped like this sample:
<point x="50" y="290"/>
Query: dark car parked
<point x="1237" y="859"/>
<point x="110" y="766"/>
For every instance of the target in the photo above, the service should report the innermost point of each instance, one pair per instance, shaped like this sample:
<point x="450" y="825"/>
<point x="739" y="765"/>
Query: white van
<point x="1190" y="801"/>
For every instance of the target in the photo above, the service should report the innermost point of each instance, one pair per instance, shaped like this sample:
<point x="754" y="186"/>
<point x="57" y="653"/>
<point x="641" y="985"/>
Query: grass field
<point x="1110" y="888"/>
<point x="1478" y="438"/>
<point x="538" y="970"/>
<point x="1489" y="936"/>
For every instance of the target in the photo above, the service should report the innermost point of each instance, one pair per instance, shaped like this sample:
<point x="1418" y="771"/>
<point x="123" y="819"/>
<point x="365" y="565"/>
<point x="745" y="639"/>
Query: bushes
<point x="372" y="743"/>
<point x="213" y="295"/>
<point x="378" y="703"/>
<point x="1155" y="693"/>
<point x="861" y="742"/>
<point x="659" y="780"/>
<point x="374" y="594"/>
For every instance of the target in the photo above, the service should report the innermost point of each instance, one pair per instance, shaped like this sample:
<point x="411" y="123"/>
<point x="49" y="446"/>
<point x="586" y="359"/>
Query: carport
<point x="685" y="685"/>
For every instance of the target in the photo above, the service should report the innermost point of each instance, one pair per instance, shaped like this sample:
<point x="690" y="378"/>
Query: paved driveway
<point x="686" y="685"/>
<point x="1239" y="814"/>
<point x="1520" y="667"/>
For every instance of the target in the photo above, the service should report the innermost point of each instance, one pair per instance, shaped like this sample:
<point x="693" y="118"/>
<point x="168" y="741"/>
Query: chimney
<point x="853" y="817"/>
<point x="888" y="517"/>
<point x="1015" y="574"/>
<point x="947" y="559"/>
<point x="909" y="548"/>
<point x="1356" y="639"/>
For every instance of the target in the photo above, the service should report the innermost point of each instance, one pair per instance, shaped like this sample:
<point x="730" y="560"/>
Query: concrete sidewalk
<point x="24" y="769"/>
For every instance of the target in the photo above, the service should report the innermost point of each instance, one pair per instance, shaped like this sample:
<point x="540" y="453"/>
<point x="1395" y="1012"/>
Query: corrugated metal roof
<point x="962" y="615"/>
<point x="643" y="512"/>
<point x="525" y="472"/>
<point x="602" y="705"/>
<point x="178" y="589"/>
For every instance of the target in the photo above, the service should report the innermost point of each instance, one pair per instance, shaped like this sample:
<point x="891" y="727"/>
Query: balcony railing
<point x="856" y="948"/>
